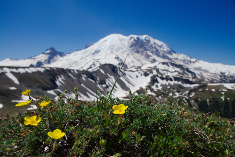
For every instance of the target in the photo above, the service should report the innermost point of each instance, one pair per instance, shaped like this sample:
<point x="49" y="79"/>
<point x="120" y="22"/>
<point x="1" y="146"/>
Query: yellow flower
<point x="44" y="103"/>
<point x="34" y="120"/>
<point x="119" y="109"/>
<point x="56" y="134"/>
<point x="23" y="103"/>
<point x="26" y="92"/>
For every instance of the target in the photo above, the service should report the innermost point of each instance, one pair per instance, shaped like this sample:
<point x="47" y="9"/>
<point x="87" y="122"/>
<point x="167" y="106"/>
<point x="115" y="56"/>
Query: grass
<point x="147" y="128"/>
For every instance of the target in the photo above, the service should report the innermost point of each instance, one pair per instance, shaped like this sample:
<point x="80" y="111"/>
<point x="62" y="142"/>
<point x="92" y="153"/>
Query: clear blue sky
<point x="202" y="29"/>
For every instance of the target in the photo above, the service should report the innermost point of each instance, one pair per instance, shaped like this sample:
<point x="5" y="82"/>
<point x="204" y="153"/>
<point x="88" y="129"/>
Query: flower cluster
<point x="26" y="92"/>
<point x="34" y="120"/>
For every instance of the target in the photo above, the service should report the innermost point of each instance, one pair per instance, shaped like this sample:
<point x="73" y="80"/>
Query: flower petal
<point x="57" y="131"/>
<point x="125" y="107"/>
<point x="26" y="122"/>
<point x="38" y="119"/>
<point x="59" y="136"/>
<point x="121" y="105"/>
<point x="115" y="107"/>
<point x="50" y="134"/>
<point x="34" y="123"/>
<point x="119" y="112"/>
<point x="27" y="118"/>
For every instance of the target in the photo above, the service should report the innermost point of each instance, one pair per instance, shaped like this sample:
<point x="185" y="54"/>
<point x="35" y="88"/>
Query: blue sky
<point x="202" y="29"/>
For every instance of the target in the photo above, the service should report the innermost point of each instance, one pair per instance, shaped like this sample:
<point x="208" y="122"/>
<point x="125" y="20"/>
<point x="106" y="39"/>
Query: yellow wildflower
<point x="119" y="109"/>
<point x="44" y="103"/>
<point x="56" y="134"/>
<point x="34" y="120"/>
<point x="26" y="92"/>
<point x="23" y="103"/>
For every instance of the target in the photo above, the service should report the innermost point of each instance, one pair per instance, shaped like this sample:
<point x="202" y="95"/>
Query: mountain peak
<point x="113" y="49"/>
<point x="52" y="49"/>
<point x="53" y="52"/>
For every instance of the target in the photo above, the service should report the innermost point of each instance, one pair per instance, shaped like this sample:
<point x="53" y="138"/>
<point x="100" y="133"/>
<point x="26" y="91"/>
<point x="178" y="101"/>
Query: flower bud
<point x="102" y="142"/>
<point x="72" y="129"/>
<point x="90" y="130"/>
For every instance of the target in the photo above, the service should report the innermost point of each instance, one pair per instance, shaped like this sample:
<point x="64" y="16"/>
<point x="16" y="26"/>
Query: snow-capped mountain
<point x="149" y="64"/>
<point x="47" y="57"/>
<point x="140" y="52"/>
<point x="113" y="49"/>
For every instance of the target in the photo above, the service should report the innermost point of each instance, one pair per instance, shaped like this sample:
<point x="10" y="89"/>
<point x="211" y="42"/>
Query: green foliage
<point x="146" y="128"/>
<point x="215" y="99"/>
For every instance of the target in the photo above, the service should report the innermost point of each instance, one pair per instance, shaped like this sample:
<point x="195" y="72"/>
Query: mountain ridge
<point x="46" y="57"/>
<point x="141" y="51"/>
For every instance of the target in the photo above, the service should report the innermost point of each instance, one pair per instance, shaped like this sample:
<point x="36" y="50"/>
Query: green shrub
<point x="146" y="128"/>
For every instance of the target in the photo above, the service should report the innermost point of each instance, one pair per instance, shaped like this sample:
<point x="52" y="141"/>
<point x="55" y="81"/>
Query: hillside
<point x="140" y="126"/>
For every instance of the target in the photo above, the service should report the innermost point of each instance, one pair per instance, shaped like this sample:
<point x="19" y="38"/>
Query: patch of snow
<point x="22" y="70"/>
<point x="1" y="105"/>
<point x="71" y="76"/>
<point x="134" y="83"/>
<point x="12" y="88"/>
<point x="192" y="94"/>
<point x="60" y="80"/>
<point x="84" y="77"/>
<point x="213" y="90"/>
<point x="226" y="85"/>
<point x="102" y="71"/>
<point x="89" y="98"/>
<point x="51" y="92"/>
<point x="222" y="97"/>
<point x="90" y="91"/>
<point x="33" y="107"/>
<point x="191" y="85"/>
<point x="24" y="98"/>
<point x="150" y="93"/>
<point x="91" y="80"/>
<point x="176" y="95"/>
<point x="12" y="77"/>
<point x="230" y="86"/>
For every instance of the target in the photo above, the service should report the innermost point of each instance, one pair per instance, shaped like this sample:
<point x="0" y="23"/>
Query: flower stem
<point x="54" y="146"/>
